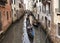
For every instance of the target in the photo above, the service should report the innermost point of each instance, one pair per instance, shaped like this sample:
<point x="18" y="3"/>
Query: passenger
<point x="27" y="21"/>
<point x="30" y="31"/>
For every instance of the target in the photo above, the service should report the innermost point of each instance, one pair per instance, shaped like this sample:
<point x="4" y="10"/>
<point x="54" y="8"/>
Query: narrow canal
<point x="25" y="34"/>
<point x="17" y="33"/>
<point x="27" y="38"/>
<point x="14" y="33"/>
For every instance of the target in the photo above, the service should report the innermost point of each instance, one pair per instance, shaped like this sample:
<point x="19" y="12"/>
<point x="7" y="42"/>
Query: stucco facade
<point x="29" y="4"/>
<point x="17" y="9"/>
<point x="55" y="21"/>
<point x="50" y="21"/>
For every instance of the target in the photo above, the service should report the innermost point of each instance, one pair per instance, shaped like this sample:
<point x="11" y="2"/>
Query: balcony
<point x="44" y="2"/>
<point x="21" y="1"/>
<point x="3" y="2"/>
<point x="48" y="1"/>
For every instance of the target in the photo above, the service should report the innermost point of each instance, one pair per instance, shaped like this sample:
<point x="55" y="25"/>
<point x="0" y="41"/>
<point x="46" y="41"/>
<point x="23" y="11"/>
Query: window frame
<point x="44" y="8"/>
<point x="19" y="5"/>
<point x="0" y="21"/>
<point x="48" y="8"/>
<point x="7" y="15"/>
<point x="14" y="1"/>
<point x="10" y="14"/>
<point x="48" y="23"/>
<point x="57" y="31"/>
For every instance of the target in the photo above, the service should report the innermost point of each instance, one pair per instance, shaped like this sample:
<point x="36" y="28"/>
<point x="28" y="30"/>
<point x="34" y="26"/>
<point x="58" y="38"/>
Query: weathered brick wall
<point x="4" y="10"/>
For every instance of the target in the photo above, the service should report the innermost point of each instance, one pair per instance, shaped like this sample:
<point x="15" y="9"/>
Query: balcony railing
<point x="44" y="2"/>
<point x="48" y="1"/>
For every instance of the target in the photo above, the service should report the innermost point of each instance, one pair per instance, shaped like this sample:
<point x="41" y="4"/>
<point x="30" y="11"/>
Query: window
<point x="42" y="18"/>
<point x="59" y="29"/>
<point x="0" y="22"/>
<point x="15" y="15"/>
<point x="34" y="5"/>
<point x="11" y="1"/>
<point x="36" y="1"/>
<point x="10" y="13"/>
<point x="19" y="5"/>
<point x="14" y="1"/>
<point x="39" y="0"/>
<point x="40" y="8"/>
<point x="44" y="8"/>
<point x="7" y="15"/>
<point x="0" y="14"/>
<point x="4" y="13"/>
<point x="21" y="1"/>
<point x="48" y="8"/>
<point x="49" y="23"/>
<point x="38" y="16"/>
<point x="33" y="0"/>
<point x="14" y="9"/>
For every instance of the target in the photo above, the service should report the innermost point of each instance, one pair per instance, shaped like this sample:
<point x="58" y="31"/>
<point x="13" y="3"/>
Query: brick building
<point x="5" y="15"/>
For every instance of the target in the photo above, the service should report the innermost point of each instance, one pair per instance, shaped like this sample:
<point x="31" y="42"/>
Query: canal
<point x="17" y="33"/>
